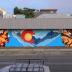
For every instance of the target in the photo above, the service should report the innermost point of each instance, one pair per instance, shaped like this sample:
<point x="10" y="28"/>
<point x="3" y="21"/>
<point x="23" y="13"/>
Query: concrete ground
<point x="48" y="52"/>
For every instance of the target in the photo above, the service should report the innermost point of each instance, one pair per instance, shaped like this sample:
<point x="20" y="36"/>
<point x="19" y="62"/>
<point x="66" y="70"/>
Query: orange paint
<point x="3" y="38"/>
<point x="27" y="35"/>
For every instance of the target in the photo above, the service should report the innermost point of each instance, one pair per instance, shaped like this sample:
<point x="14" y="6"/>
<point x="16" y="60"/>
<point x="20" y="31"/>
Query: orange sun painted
<point x="27" y="35"/>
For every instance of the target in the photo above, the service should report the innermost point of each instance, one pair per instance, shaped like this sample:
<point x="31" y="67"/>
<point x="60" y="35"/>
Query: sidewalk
<point x="50" y="52"/>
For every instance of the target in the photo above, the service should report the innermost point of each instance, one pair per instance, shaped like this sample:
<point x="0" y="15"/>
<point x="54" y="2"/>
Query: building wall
<point x="41" y="23"/>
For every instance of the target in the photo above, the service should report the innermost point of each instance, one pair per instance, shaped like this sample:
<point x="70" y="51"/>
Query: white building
<point x="2" y="13"/>
<point x="51" y="13"/>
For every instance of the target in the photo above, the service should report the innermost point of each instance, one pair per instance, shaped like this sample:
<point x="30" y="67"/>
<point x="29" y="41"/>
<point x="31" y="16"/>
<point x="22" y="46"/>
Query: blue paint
<point x="57" y="42"/>
<point x="14" y="42"/>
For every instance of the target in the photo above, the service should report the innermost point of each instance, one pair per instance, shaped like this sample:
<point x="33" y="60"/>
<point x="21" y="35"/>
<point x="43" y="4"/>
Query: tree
<point x="29" y="13"/>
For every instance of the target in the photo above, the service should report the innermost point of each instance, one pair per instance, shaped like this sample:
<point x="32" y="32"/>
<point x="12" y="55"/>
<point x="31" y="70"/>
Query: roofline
<point x="49" y="9"/>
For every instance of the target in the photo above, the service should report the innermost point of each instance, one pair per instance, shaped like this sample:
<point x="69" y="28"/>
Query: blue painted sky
<point x="63" y="6"/>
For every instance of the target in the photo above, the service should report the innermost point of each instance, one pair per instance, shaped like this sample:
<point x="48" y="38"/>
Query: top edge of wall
<point x="42" y="23"/>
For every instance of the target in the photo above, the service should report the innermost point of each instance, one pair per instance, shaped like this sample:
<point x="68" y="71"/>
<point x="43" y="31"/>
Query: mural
<point x="3" y="37"/>
<point x="67" y="37"/>
<point x="35" y="38"/>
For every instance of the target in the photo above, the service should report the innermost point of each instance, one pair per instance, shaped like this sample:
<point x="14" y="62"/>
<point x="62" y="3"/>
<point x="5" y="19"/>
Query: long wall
<point x="35" y="38"/>
<point x="46" y="23"/>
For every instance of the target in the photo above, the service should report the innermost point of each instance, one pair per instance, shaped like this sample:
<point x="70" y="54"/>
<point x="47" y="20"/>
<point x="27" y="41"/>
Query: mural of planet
<point x="35" y="38"/>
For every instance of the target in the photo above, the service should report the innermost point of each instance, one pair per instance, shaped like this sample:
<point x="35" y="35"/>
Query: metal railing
<point x="28" y="65"/>
<point x="29" y="61"/>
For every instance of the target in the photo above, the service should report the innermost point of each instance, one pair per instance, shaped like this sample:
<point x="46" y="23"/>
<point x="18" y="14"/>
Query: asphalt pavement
<point x="56" y="62"/>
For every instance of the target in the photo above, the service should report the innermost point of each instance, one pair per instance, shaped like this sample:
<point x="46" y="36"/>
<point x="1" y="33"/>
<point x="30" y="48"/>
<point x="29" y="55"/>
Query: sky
<point x="63" y="6"/>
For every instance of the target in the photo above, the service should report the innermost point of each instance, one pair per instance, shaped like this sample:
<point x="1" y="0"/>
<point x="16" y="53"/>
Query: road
<point x="57" y="60"/>
<point x="55" y="63"/>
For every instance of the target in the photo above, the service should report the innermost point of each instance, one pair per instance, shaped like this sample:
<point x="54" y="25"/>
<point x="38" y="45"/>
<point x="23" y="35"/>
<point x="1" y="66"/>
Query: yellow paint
<point x="28" y="37"/>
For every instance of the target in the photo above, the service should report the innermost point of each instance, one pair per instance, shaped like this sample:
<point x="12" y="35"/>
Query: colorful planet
<point x="27" y="36"/>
